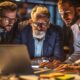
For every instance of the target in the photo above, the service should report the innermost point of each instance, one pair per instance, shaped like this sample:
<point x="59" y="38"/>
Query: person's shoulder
<point x="55" y="27"/>
<point x="26" y="29"/>
<point x="23" y="24"/>
<point x="2" y="30"/>
<point x="74" y="27"/>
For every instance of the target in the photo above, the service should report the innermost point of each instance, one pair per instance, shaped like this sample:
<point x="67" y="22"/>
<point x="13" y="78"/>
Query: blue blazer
<point x="52" y="45"/>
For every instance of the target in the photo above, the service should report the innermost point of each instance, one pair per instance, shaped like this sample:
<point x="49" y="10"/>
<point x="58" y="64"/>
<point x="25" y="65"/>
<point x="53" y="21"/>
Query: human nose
<point x="65" y="15"/>
<point x="39" y="28"/>
<point x="11" y="21"/>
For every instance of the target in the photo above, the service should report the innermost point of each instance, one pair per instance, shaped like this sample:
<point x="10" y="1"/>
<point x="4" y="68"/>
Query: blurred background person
<point x="22" y="18"/>
<point x="8" y="11"/>
<point x="22" y="11"/>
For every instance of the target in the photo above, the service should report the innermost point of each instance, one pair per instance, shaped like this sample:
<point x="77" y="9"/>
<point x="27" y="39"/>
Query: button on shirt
<point x="76" y="34"/>
<point x="38" y="47"/>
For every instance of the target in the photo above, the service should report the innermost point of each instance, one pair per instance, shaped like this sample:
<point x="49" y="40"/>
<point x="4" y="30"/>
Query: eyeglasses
<point x="37" y="24"/>
<point x="9" y="19"/>
<point x="65" y="12"/>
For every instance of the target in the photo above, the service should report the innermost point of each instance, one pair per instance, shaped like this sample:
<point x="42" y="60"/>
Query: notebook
<point x="14" y="59"/>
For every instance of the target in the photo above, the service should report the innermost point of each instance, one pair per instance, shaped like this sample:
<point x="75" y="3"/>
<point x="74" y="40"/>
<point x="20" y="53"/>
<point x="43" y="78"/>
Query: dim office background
<point x="51" y="4"/>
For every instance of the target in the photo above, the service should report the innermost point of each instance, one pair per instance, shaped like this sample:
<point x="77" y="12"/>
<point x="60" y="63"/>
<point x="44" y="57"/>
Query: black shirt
<point x="7" y="37"/>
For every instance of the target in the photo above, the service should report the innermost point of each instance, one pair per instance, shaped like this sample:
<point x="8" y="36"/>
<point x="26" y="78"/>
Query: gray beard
<point x="39" y="34"/>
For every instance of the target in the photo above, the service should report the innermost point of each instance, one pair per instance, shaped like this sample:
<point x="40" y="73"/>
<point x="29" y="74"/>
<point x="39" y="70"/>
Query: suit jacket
<point x="52" y="45"/>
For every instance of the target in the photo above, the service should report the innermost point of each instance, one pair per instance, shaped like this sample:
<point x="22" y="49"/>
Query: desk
<point x="49" y="74"/>
<point x="59" y="77"/>
<point x="33" y="77"/>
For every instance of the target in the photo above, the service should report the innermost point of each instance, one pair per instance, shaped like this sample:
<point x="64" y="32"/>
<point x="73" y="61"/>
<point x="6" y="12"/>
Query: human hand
<point x="56" y="63"/>
<point x="61" y="67"/>
<point x="49" y="64"/>
<point x="46" y="65"/>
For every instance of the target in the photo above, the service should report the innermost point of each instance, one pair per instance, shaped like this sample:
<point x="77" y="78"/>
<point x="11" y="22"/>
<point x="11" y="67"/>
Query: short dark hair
<point x="7" y="6"/>
<point x="71" y="2"/>
<point x="76" y="3"/>
<point x="20" y="5"/>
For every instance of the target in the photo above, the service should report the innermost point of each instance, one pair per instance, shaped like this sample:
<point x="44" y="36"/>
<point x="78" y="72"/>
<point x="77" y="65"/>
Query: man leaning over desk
<point x="41" y="37"/>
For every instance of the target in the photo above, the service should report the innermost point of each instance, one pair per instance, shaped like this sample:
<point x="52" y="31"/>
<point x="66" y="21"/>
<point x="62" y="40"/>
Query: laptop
<point x="14" y="59"/>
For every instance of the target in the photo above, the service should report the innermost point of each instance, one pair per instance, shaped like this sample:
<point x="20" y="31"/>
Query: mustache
<point x="9" y="25"/>
<point x="40" y="30"/>
<point x="67" y="19"/>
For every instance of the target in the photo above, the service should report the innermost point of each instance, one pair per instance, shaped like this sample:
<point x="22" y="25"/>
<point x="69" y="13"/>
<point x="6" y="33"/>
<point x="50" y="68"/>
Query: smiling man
<point x="8" y="12"/>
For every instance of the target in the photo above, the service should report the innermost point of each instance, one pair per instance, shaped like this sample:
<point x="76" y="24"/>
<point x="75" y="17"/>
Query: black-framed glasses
<point x="9" y="19"/>
<point x="38" y="24"/>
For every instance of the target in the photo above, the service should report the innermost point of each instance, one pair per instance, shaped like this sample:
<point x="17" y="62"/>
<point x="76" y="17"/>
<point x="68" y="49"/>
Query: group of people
<point x="42" y="38"/>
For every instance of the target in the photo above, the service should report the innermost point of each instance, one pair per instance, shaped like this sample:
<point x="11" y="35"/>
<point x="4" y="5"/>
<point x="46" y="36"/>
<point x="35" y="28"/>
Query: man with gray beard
<point x="42" y="38"/>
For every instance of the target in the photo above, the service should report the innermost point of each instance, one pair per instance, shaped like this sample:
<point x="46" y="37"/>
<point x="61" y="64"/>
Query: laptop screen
<point x="14" y="59"/>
